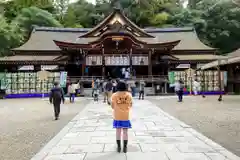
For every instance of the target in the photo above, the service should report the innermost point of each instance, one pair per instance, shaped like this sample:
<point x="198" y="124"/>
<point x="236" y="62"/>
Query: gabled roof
<point x="116" y="17"/>
<point x="235" y="53"/>
<point x="42" y="38"/>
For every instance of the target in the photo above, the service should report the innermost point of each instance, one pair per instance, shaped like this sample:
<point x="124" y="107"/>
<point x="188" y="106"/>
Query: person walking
<point x="56" y="97"/>
<point x="196" y="87"/>
<point x="108" y="88"/>
<point x="71" y="92"/>
<point x="104" y="91"/>
<point x="133" y="88"/>
<point x="114" y="83"/>
<point x="179" y="90"/>
<point x="141" y="89"/>
<point x="93" y="86"/>
<point x="121" y="105"/>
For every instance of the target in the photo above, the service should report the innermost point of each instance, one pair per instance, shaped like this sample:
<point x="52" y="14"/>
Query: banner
<point x="63" y="79"/>
<point x="117" y="60"/>
<point x="171" y="77"/>
<point x="225" y="78"/>
<point x="2" y="80"/>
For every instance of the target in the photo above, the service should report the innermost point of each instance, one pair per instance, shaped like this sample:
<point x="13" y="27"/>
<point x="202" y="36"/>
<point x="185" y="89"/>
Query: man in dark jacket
<point x="56" y="97"/>
<point x="108" y="89"/>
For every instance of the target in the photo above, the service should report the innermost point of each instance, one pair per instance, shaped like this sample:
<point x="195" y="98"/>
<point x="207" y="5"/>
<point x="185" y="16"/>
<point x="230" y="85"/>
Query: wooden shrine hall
<point x="113" y="44"/>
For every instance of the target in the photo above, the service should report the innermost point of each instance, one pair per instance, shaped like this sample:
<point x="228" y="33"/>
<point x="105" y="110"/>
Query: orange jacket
<point x="121" y="104"/>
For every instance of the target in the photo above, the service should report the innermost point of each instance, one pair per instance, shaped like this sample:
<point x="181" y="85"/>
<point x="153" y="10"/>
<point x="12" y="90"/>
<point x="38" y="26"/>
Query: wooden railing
<point x="152" y="78"/>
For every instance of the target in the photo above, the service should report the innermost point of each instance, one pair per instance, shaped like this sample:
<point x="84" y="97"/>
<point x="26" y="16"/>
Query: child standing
<point x="121" y="104"/>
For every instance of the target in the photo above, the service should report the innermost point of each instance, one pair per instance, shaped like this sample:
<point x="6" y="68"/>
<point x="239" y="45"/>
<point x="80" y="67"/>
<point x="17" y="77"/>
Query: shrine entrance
<point x="114" y="71"/>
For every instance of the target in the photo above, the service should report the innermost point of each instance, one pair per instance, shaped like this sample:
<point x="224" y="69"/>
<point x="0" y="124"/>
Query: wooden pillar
<point x="130" y="60"/>
<point x="103" y="62"/>
<point x="83" y="63"/>
<point x="149" y="62"/>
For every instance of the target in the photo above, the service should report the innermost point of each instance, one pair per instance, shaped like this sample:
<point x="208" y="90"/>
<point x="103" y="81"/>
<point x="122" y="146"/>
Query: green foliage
<point x="8" y="36"/>
<point x="216" y="22"/>
<point x="13" y="7"/>
<point x="223" y="25"/>
<point x="34" y="16"/>
<point x="160" y="19"/>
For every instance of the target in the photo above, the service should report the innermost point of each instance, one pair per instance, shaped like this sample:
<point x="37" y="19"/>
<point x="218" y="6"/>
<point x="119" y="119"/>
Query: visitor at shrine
<point x="196" y="87"/>
<point x="133" y="88"/>
<point x="104" y="91"/>
<point x="108" y="89"/>
<point x="121" y="104"/>
<point x="93" y="85"/>
<point x="123" y="72"/>
<point x="114" y="86"/>
<point x="127" y="74"/>
<point x="56" y="96"/>
<point x="141" y="89"/>
<point x="71" y="92"/>
<point x="179" y="90"/>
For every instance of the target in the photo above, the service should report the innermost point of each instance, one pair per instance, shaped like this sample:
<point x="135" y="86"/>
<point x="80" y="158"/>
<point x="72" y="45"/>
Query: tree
<point x="222" y="25"/>
<point x="61" y="6"/>
<point x="13" y="7"/>
<point x="193" y="3"/>
<point x="160" y="19"/>
<point x="31" y="16"/>
<point x="82" y="13"/>
<point x="9" y="37"/>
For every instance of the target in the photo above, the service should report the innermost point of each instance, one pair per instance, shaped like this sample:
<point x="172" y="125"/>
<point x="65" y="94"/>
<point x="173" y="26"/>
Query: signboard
<point x="183" y="66"/>
<point x="26" y="68"/>
<point x="63" y="79"/>
<point x="117" y="60"/>
<point x="140" y="60"/>
<point x="48" y="67"/>
<point x="94" y="60"/>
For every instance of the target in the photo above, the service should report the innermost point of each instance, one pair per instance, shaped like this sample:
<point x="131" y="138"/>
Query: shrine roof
<point x="235" y="53"/>
<point x="42" y="38"/>
<point x="210" y="57"/>
<point x="29" y="58"/>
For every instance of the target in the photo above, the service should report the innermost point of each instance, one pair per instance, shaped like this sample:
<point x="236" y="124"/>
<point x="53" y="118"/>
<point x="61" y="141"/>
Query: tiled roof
<point x="42" y="38"/>
<point x="198" y="57"/>
<point x="235" y="53"/>
<point x="28" y="58"/>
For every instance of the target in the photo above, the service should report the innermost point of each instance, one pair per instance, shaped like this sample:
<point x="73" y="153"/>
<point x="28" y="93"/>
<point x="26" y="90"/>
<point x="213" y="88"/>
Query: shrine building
<point x="113" y="44"/>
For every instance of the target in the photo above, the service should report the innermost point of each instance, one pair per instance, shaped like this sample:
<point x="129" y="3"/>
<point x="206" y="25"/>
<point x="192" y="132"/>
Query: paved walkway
<point x="155" y="135"/>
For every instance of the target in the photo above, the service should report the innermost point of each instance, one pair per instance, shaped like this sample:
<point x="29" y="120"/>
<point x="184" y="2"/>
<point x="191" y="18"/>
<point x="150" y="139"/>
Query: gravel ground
<point x="219" y="121"/>
<point x="26" y="125"/>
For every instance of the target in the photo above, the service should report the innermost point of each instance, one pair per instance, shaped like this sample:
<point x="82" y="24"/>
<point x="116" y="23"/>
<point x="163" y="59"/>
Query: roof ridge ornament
<point x="116" y="15"/>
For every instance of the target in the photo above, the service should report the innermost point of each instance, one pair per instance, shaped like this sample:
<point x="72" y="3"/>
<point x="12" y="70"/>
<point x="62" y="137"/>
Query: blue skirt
<point x="122" y="124"/>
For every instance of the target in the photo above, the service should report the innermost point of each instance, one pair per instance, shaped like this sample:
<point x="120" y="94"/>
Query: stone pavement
<point x="155" y="135"/>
